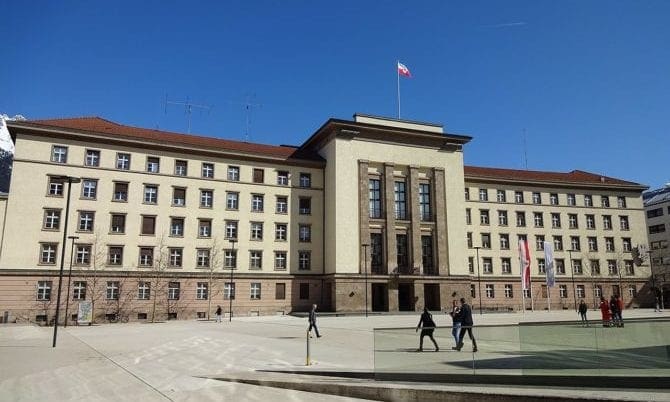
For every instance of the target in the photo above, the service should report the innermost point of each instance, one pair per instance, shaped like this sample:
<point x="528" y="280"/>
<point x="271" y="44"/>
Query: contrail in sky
<point x="505" y="25"/>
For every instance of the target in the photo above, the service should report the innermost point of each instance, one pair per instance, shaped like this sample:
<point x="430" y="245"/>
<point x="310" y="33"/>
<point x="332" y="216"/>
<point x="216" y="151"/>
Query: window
<point x="304" y="260"/>
<point x="539" y="242"/>
<point x="424" y="202"/>
<point x="86" y="219"/>
<point x="518" y="197"/>
<point x="282" y="178"/>
<point x="280" y="291"/>
<point x="605" y="201"/>
<point x="597" y="291"/>
<point x="229" y="290"/>
<point x="575" y="243"/>
<point x="469" y="239"/>
<point x="230" y="259"/>
<point x="577" y="267"/>
<point x="653" y="213"/>
<point x="255" y="291"/>
<point x="202" y="258"/>
<point x="593" y="243"/>
<point x="232" y="200"/>
<point x="653" y="229"/>
<point x="595" y="267"/>
<point x="572" y="200"/>
<point x="233" y="173"/>
<point x="628" y="268"/>
<point x="537" y="198"/>
<point x="572" y="221"/>
<point x="473" y="292"/>
<point x="89" y="189"/>
<point x="621" y="202"/>
<point x="56" y="186"/>
<point x="580" y="292"/>
<point x="467" y="194"/>
<point x="207" y="170"/>
<point x="375" y="203"/>
<point x="590" y="221"/>
<point x="502" y="218"/>
<point x="500" y="196"/>
<point x="150" y="194"/>
<point x="153" y="164"/>
<point x="508" y="291"/>
<point x="280" y="260"/>
<point x="256" y="231"/>
<point x="558" y="243"/>
<point x="255" y="259"/>
<point x="484" y="216"/>
<point x="115" y="255"/>
<point x="120" y="191"/>
<point x="180" y="167"/>
<point x="471" y="265"/>
<point x="123" y="161"/>
<point x="79" y="290"/>
<point x="92" y="157"/>
<point x="468" y="216"/>
<point x="632" y="291"/>
<point x="118" y="224"/>
<point x="504" y="241"/>
<point x="483" y="194"/>
<point x="280" y="231"/>
<point x="173" y="290"/>
<point x="305" y="233"/>
<point x="588" y="200"/>
<point x="607" y="222"/>
<point x="563" y="291"/>
<point x="148" y="225"/>
<point x="520" y="219"/>
<point x="51" y="219"/>
<point x="486" y="240"/>
<point x="623" y="222"/>
<point x="615" y="290"/>
<point x="401" y="251"/>
<point x="146" y="257"/>
<point x="553" y="199"/>
<point x="305" y="180"/>
<point x="259" y="176"/>
<point x="179" y="196"/>
<point x="304" y="291"/>
<point x="427" y="258"/>
<point x="206" y="198"/>
<point x="282" y="205"/>
<point x="541" y="266"/>
<point x="143" y="290"/>
<point x="44" y="290"/>
<point x="48" y="253"/>
<point x="376" y="252"/>
<point x="506" y="265"/>
<point x="612" y="268"/>
<point x="400" y="200"/>
<point x="627" y="244"/>
<point x="538" y="219"/>
<point x="204" y="227"/>
<point x="113" y="289"/>
<point x="305" y="206"/>
<point x="257" y="203"/>
<point x="609" y="244"/>
<point x="83" y="254"/>
<point x="487" y="265"/>
<point x="59" y="154"/>
<point x="490" y="292"/>
<point x="202" y="291"/>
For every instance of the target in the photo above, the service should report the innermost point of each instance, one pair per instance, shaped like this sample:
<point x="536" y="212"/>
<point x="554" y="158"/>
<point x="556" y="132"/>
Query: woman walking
<point x="427" y="326"/>
<point x="582" y="312"/>
<point x="456" y="321"/>
<point x="605" y="311"/>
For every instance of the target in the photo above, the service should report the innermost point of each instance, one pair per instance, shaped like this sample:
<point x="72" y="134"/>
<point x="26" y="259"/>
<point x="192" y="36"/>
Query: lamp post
<point x="572" y="272"/>
<point x="69" y="180"/>
<point x="231" y="293"/>
<point x="69" y="278"/>
<point x="479" y="282"/>
<point x="365" y="262"/>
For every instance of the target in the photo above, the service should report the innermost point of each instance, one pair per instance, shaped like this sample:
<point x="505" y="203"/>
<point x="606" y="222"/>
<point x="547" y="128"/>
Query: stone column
<point x="363" y="214"/>
<point x="419" y="296"/>
<point x="439" y="211"/>
<point x="415" y="215"/>
<point x="389" y="208"/>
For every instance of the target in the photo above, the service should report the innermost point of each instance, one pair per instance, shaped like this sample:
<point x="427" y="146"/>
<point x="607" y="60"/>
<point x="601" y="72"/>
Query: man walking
<point x="218" y="313"/>
<point x="312" y="321"/>
<point x="582" y="312"/>
<point x="466" y="326"/>
<point x="456" y="321"/>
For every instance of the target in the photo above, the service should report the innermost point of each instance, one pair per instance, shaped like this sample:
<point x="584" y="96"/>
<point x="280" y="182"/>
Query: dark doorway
<point x="405" y="297"/>
<point x="431" y="294"/>
<point x="380" y="297"/>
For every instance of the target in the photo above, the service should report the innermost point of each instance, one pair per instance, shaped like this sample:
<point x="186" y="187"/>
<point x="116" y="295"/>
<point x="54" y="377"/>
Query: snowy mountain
<point x="6" y="143"/>
<point x="6" y="151"/>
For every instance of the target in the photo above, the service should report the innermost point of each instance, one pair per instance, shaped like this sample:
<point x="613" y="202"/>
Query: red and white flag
<point x="524" y="260"/>
<point x="403" y="70"/>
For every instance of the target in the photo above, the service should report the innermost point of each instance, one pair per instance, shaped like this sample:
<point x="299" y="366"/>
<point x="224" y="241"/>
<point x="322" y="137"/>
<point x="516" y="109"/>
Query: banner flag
<point x="524" y="260"/>
<point x="549" y="264"/>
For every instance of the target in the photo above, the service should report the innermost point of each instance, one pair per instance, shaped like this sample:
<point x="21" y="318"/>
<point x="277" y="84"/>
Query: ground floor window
<point x="201" y="291"/>
<point x="44" y="290"/>
<point x="229" y="290"/>
<point x="255" y="291"/>
<point x="509" y="292"/>
<point x="563" y="291"/>
<point x="304" y="291"/>
<point x="280" y="291"/>
<point x="490" y="291"/>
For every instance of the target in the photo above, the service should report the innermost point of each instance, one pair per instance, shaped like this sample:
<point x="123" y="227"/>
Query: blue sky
<point x="589" y="81"/>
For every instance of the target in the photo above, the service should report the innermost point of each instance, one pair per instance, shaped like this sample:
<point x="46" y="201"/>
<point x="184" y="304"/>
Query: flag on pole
<point x="549" y="263"/>
<point x="403" y="70"/>
<point x="524" y="260"/>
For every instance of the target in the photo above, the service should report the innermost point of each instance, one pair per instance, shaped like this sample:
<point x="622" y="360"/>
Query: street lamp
<point x="572" y="272"/>
<point x="69" y="278"/>
<point x="231" y="293"/>
<point x="69" y="180"/>
<point x="479" y="282"/>
<point x="365" y="261"/>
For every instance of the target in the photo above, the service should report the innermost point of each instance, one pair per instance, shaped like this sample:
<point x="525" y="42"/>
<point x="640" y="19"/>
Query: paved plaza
<point x="185" y="360"/>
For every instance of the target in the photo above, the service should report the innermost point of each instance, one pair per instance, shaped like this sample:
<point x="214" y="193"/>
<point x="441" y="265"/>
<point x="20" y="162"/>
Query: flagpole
<point x="549" y="297"/>
<point x="397" y="73"/>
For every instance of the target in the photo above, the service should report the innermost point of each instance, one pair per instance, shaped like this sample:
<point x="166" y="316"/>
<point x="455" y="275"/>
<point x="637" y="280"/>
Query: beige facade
<point x="369" y="210"/>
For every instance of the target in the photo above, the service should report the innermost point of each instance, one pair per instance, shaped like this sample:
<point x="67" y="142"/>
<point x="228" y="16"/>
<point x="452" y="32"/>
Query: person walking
<point x="218" y="313"/>
<point x="466" y="326"/>
<point x="619" y="303"/>
<point x="614" y="310"/>
<point x="657" y="305"/>
<point x="427" y="326"/>
<point x="582" y="312"/>
<point x="456" y="320"/>
<point x="312" y="321"/>
<point x="605" y="311"/>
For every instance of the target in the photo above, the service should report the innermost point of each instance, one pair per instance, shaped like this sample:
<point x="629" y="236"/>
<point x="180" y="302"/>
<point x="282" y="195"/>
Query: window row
<point x="377" y="256"/>
<point x="539" y="198"/>
<point x="401" y="203"/>
<point x="578" y="266"/>
<point x="580" y="291"/>
<point x="555" y="218"/>
<point x="92" y="157"/>
<point x="575" y="242"/>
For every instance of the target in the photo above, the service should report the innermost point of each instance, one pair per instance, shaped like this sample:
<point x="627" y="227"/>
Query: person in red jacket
<point x="605" y="311"/>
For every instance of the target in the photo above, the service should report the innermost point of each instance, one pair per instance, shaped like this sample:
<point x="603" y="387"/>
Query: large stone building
<point x="657" y="207"/>
<point x="369" y="210"/>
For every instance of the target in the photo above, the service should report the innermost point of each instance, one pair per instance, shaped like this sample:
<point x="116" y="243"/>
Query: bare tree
<point x="159" y="280"/>
<point x="93" y="273"/>
<point x="216" y="256"/>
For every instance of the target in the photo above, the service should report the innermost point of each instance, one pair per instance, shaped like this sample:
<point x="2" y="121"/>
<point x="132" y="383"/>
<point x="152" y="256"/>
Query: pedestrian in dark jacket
<point x="427" y="326"/>
<point x="614" y="309"/>
<point x="466" y="326"/>
<point x="456" y="320"/>
<point x="619" y="303"/>
<point x="218" y="313"/>
<point x="312" y="321"/>
<point x="582" y="312"/>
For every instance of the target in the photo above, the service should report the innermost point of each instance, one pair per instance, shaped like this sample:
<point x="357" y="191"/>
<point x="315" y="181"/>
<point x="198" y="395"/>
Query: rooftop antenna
<point x="248" y="107"/>
<point x="525" y="153"/>
<point x="188" y="108"/>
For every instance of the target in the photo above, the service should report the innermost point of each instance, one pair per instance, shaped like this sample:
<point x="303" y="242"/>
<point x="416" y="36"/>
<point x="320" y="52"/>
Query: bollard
<point x="308" y="362"/>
